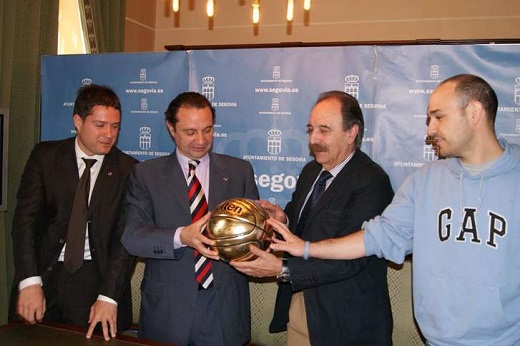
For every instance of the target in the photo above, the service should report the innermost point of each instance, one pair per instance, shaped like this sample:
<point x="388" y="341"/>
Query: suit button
<point x="49" y="268"/>
<point x="61" y="241"/>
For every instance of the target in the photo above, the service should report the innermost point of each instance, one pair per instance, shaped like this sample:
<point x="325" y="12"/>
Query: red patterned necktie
<point x="198" y="208"/>
<point x="75" y="245"/>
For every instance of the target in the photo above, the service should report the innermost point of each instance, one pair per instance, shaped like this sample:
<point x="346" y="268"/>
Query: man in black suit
<point x="325" y="302"/>
<point x="97" y="292"/>
<point x="162" y="227"/>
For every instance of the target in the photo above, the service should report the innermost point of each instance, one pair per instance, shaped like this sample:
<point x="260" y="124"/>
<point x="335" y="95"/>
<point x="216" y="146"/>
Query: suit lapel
<point x="219" y="179"/>
<point x="67" y="168"/>
<point x="339" y="184"/>
<point x="306" y="188"/>
<point x="108" y="175"/>
<point x="175" y="182"/>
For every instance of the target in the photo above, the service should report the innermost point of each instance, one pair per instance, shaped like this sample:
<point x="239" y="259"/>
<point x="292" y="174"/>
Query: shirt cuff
<point x="106" y="299"/>
<point x="370" y="243"/>
<point x="33" y="280"/>
<point x="177" y="239"/>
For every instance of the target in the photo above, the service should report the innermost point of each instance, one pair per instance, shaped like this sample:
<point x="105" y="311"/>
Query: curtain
<point x="28" y="30"/>
<point x="105" y="25"/>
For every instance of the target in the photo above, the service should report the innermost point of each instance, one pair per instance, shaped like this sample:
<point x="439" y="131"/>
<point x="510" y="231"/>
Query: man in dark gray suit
<point x="160" y="227"/>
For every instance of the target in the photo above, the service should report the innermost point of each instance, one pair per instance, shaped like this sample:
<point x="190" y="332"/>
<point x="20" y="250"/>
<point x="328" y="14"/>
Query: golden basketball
<point x="236" y="224"/>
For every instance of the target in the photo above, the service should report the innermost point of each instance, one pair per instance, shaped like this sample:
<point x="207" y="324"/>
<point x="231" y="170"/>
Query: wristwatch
<point x="285" y="274"/>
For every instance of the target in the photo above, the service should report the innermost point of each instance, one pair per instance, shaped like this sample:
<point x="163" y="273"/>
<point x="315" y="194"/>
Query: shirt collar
<point x="81" y="154"/>
<point x="335" y="171"/>
<point x="183" y="160"/>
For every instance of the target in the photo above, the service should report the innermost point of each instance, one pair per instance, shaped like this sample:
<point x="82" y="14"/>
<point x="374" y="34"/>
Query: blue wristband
<point x="306" y="251"/>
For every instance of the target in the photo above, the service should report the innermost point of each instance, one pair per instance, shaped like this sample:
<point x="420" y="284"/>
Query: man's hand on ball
<point x="265" y="265"/>
<point x="290" y="243"/>
<point x="192" y="236"/>
<point x="274" y="210"/>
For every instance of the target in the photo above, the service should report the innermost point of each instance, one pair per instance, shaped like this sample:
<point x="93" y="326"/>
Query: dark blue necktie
<point x="317" y="191"/>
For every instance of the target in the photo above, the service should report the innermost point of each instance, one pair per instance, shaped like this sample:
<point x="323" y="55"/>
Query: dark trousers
<point x="69" y="297"/>
<point x="206" y="328"/>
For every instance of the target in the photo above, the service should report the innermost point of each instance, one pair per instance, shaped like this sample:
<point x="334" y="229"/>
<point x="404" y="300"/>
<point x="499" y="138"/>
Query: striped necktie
<point x="198" y="208"/>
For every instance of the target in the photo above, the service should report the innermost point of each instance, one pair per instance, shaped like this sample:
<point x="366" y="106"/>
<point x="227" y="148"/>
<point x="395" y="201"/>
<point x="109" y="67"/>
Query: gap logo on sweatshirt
<point x="469" y="230"/>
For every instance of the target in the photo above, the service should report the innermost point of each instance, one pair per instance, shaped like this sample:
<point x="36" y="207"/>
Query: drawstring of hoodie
<point x="461" y="198"/>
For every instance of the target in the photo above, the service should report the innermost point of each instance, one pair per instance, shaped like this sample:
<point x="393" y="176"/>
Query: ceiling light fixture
<point x="256" y="11"/>
<point x="290" y="10"/>
<point x="306" y="5"/>
<point x="210" y="8"/>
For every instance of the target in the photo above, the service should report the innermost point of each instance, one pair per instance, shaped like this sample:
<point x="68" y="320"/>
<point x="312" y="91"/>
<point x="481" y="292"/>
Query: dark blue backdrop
<point x="263" y="98"/>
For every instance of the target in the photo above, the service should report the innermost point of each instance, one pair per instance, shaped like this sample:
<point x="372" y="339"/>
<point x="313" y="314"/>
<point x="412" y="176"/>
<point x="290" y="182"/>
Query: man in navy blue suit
<point x="325" y="302"/>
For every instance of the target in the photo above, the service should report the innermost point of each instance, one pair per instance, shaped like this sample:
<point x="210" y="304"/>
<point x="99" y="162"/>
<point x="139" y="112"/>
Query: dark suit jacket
<point x="346" y="302"/>
<point x="41" y="219"/>
<point x="157" y="204"/>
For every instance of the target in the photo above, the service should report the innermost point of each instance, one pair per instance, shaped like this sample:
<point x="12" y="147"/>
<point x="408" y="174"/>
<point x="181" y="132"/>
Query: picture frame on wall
<point x="4" y="134"/>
